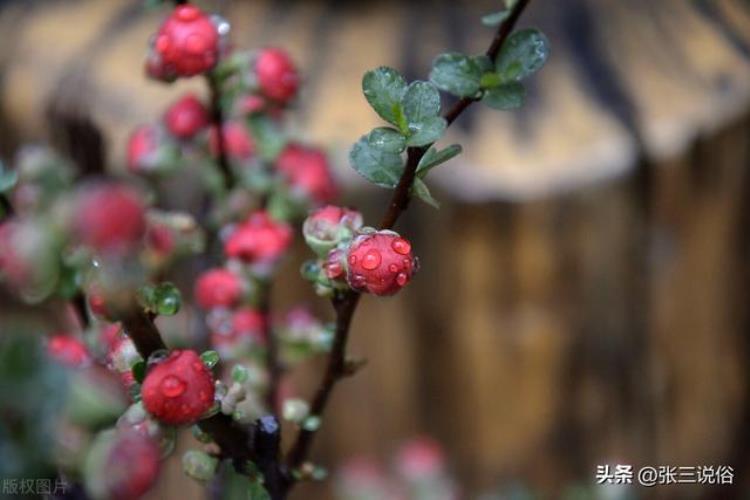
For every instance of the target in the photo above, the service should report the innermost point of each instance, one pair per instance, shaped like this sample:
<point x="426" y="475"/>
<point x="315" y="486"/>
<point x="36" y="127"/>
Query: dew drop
<point x="371" y="260"/>
<point x="352" y="259"/>
<point x="358" y="281"/>
<point x="402" y="279"/>
<point x="172" y="386"/>
<point x="393" y="268"/>
<point x="401" y="246"/>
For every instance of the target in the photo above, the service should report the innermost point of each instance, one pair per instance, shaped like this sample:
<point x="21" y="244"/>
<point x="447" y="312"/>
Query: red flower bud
<point x="186" y="117"/>
<point x="237" y="144"/>
<point x="179" y="389"/>
<point x="110" y="217"/>
<point x="380" y="263"/>
<point x="307" y="171"/>
<point x="277" y="76"/>
<point x="187" y="43"/>
<point x="122" y="465"/>
<point x="217" y="288"/>
<point x="328" y="226"/>
<point x="244" y="329"/>
<point x="68" y="350"/>
<point x="141" y="149"/>
<point x="260" y="239"/>
<point x="421" y="457"/>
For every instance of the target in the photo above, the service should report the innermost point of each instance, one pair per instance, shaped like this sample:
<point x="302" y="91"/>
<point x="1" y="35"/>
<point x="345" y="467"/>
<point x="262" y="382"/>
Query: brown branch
<point x="345" y="304"/>
<point x="217" y="118"/>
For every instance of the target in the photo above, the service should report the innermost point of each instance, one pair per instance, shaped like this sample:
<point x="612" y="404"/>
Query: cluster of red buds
<point x="356" y="257"/>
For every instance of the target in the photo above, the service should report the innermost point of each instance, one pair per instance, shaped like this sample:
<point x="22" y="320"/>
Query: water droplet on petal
<point x="402" y="279"/>
<point x="352" y="259"/>
<point x="393" y="268"/>
<point x="401" y="246"/>
<point x="371" y="260"/>
<point x="172" y="386"/>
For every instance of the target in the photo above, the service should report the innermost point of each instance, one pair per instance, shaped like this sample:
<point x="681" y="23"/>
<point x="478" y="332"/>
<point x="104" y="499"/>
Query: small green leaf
<point x="508" y="96"/>
<point x="240" y="373"/>
<point x="490" y="80"/>
<point x="484" y="62"/>
<point x="495" y="18"/>
<point x="8" y="179"/>
<point x="139" y="371"/>
<point x="311" y="423"/>
<point x="146" y="296"/>
<point x="421" y="102"/>
<point x="167" y="299"/>
<point x="426" y="132"/>
<point x="379" y="167"/>
<point x="257" y="491"/>
<point x="522" y="55"/>
<point x="268" y="136"/>
<point x="421" y="191"/>
<point x="210" y="358"/>
<point x="387" y="139"/>
<point x="433" y="158"/>
<point x="384" y="88"/>
<point x="456" y="73"/>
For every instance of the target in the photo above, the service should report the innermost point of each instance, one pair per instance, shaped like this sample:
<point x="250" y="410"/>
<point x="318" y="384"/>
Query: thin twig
<point x="217" y="117"/>
<point x="345" y="304"/>
<point x="272" y="350"/>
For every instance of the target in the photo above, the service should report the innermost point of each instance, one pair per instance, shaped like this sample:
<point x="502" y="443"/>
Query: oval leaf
<point x="523" y="54"/>
<point x="387" y="139"/>
<point x="384" y="88"/>
<point x="433" y="158"/>
<point x="421" y="191"/>
<point x="377" y="166"/>
<point x="456" y="73"/>
<point x="426" y="132"/>
<point x="508" y="96"/>
<point x="421" y="102"/>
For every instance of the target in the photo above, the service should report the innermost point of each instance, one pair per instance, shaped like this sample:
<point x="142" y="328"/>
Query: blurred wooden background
<point x="583" y="298"/>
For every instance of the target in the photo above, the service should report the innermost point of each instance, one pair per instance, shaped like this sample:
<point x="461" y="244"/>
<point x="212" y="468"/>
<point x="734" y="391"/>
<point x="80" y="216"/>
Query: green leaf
<point x="8" y="179"/>
<point x="240" y="373"/>
<point x="257" y="491"/>
<point x="456" y="73"/>
<point x="484" y="62"/>
<point x="495" y="18"/>
<point x="522" y="55"/>
<point x="508" y="96"/>
<point x="421" y="102"/>
<point x="268" y="136"/>
<point x="139" y="371"/>
<point x="426" y="132"/>
<point x="433" y="158"/>
<point x="377" y="166"/>
<point x="384" y="88"/>
<point x="387" y="139"/>
<point x="421" y="191"/>
<point x="210" y="358"/>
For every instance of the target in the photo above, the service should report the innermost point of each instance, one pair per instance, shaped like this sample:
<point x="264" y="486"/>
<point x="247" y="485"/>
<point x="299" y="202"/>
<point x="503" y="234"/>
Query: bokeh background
<point x="583" y="297"/>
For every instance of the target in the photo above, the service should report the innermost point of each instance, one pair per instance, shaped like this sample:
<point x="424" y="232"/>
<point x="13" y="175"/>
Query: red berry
<point x="237" y="143"/>
<point x="68" y="350"/>
<point x="110" y="217"/>
<point x="245" y="328"/>
<point x="250" y="104"/>
<point x="421" y="457"/>
<point x="141" y="149"/>
<point x="277" y="76"/>
<point x="217" y="288"/>
<point x="179" y="389"/>
<point x="259" y="239"/>
<point x="307" y="170"/>
<point x="187" y="43"/>
<point x="380" y="263"/>
<point x="131" y="465"/>
<point x="98" y="304"/>
<point x="186" y="117"/>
